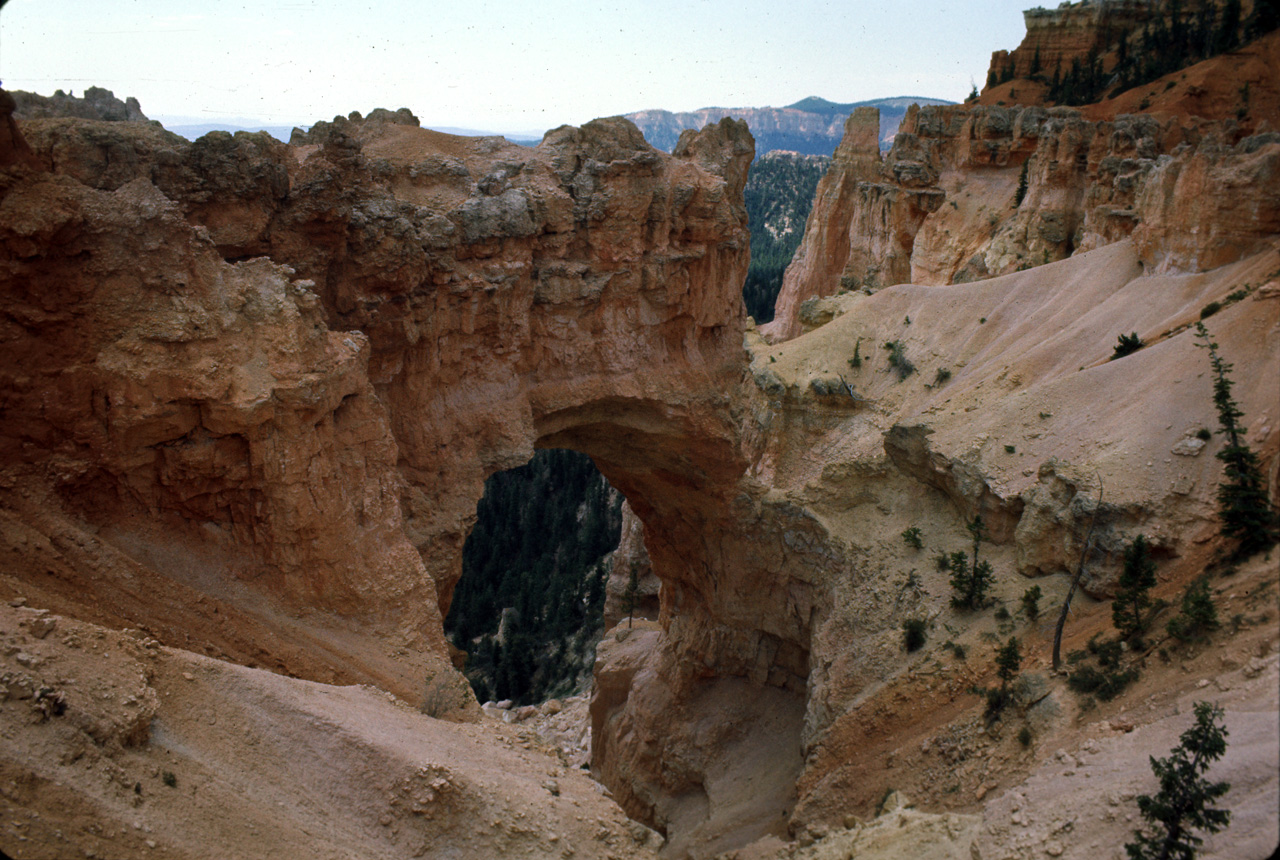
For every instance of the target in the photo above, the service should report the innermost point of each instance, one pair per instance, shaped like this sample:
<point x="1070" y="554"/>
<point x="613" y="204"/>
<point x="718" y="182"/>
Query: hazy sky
<point x="495" y="64"/>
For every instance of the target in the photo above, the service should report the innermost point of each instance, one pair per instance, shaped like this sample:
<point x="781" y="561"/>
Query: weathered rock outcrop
<point x="944" y="205"/>
<point x="631" y="559"/>
<point x="433" y="307"/>
<point x="96" y="103"/>
<point x="1070" y="32"/>
<point x="252" y="392"/>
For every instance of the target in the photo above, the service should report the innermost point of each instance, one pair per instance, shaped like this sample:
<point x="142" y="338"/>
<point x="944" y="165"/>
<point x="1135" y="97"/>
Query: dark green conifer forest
<point x="528" y="607"/>
<point x="778" y="195"/>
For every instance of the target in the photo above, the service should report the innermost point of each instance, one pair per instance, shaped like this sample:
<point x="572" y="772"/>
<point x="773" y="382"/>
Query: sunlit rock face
<point x="253" y="390"/>
<point x="944" y="205"/>
<point x="308" y="357"/>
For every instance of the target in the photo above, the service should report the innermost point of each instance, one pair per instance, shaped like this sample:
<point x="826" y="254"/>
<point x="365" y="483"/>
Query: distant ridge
<point x="811" y="126"/>
<point x="817" y="104"/>
<point x="194" y="130"/>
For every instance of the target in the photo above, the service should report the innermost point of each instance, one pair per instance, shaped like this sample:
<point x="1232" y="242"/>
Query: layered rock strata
<point x="305" y="359"/>
<point x="944" y="205"/>
<point x="253" y="391"/>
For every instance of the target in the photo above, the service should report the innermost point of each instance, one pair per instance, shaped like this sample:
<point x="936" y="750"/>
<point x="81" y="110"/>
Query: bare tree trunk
<point x="1075" y="582"/>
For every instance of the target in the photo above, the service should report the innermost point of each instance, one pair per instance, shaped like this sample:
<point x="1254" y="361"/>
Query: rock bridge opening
<point x="529" y="606"/>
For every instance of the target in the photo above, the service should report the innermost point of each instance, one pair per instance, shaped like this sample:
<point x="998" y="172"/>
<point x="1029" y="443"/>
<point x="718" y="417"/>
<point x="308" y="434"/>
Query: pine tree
<point x="970" y="584"/>
<point x="1008" y="662"/>
<point x="1198" y="614"/>
<point x="1031" y="602"/>
<point x="1243" y="505"/>
<point x="1129" y="610"/>
<point x="1021" y="193"/>
<point x="1183" y="802"/>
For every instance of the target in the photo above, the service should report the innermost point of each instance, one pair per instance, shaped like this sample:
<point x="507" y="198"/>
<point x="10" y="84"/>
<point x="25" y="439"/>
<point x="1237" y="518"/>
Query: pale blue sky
<point x="495" y="64"/>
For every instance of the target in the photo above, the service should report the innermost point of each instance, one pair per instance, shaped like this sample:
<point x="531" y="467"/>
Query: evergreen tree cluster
<point x="528" y="608"/>
<point x="778" y="196"/>
<point x="1170" y="41"/>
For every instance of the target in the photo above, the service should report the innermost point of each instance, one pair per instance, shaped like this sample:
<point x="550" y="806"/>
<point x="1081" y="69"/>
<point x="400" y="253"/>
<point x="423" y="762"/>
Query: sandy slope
<point x="263" y="765"/>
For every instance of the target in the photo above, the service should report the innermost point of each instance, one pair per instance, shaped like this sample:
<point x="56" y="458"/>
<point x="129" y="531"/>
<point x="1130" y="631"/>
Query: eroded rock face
<point x="252" y="392"/>
<point x="96" y="103"/>
<point x="630" y="558"/>
<point x="432" y="308"/>
<point x="944" y="206"/>
<point x="315" y="425"/>
<point x="1072" y="31"/>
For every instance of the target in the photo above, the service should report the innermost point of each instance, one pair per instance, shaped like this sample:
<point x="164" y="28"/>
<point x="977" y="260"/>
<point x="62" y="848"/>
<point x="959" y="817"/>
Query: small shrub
<point x="911" y="537"/>
<point x="1128" y="344"/>
<point x="914" y="634"/>
<point x="1002" y="614"/>
<point x="956" y="649"/>
<point x="906" y="320"/>
<point x="1106" y="679"/>
<point x="982" y="321"/>
<point x="1044" y="415"/>
<point x="1210" y="309"/>
<point x="1198" y="614"/>
<point x="996" y="698"/>
<point x="1089" y="680"/>
<point x="1203" y="434"/>
<point x="856" y="361"/>
<point x="1031" y="602"/>
<point x="898" y="359"/>
<point x="169" y="778"/>
<point x="1024" y="737"/>
<point x="1010" y="449"/>
<point x="942" y="377"/>
<point x="1107" y="651"/>
<point x="943" y="561"/>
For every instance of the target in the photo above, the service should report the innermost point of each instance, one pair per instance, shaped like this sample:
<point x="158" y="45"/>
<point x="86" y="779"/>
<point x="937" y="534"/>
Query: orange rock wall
<point x="941" y="207"/>
<point x="320" y="422"/>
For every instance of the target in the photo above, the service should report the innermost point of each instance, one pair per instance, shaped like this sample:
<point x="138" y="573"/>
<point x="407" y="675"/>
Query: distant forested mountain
<point x="778" y="196"/>
<point x="528" y="609"/>
<point x="811" y="126"/>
